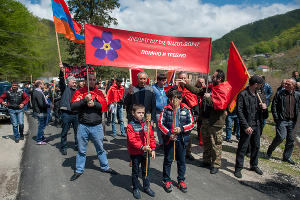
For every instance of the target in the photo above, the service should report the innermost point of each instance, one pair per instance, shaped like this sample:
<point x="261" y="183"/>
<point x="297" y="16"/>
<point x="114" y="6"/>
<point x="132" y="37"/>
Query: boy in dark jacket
<point x="176" y="130"/>
<point x="138" y="148"/>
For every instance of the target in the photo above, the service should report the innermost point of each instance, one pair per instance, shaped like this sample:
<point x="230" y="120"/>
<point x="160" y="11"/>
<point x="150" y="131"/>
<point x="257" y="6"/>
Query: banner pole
<point x="130" y="76"/>
<point x="59" y="54"/>
<point x="54" y="82"/>
<point x="87" y="78"/>
<point x="30" y="79"/>
<point x="155" y="75"/>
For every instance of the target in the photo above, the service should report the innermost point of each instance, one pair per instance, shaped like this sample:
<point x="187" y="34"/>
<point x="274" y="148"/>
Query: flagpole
<point x="130" y="76"/>
<point x="59" y="54"/>
<point x="87" y="78"/>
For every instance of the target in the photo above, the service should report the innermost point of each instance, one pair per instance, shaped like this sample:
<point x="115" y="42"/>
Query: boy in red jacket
<point x="138" y="149"/>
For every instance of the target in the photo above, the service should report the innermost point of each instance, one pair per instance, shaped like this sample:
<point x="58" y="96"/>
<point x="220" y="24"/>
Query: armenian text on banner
<point x="79" y="72"/>
<point x="237" y="75"/>
<point x="121" y="48"/>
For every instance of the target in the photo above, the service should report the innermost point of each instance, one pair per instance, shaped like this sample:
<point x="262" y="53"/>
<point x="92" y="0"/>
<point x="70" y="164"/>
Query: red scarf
<point x="82" y="92"/>
<point x="115" y="93"/>
<point x="221" y="95"/>
<point x="190" y="98"/>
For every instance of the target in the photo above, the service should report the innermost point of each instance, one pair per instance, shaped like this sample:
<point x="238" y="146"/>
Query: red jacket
<point x="82" y="92"/>
<point x="115" y="94"/>
<point x="137" y="137"/>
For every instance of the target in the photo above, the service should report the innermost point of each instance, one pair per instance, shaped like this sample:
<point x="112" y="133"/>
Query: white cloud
<point x="190" y="18"/>
<point x="42" y="10"/>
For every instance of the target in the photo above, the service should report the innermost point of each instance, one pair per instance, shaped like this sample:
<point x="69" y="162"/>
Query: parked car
<point x="4" y="86"/>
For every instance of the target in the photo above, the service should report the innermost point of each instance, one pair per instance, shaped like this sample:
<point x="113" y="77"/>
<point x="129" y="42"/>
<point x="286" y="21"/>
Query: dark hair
<point x="263" y="77"/>
<point x="256" y="79"/>
<point x="294" y="73"/>
<point x="135" y="107"/>
<point x="176" y="93"/>
<point x="161" y="77"/>
<point x="182" y="72"/>
<point x="38" y="83"/>
<point x="220" y="75"/>
<point x="119" y="79"/>
<point x="14" y="83"/>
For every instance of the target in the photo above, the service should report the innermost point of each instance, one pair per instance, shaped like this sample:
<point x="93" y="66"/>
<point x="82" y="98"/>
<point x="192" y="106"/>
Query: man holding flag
<point x="213" y="110"/>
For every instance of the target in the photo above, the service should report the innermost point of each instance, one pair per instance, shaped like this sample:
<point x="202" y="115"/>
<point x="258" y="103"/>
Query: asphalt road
<point x="46" y="173"/>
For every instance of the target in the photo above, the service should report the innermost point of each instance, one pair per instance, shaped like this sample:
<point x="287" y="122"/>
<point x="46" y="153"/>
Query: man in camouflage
<point x="213" y="120"/>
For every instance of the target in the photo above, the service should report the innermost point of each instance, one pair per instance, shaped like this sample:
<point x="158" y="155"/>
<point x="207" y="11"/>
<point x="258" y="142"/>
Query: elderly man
<point x="16" y="100"/>
<point x="141" y="94"/>
<point x="285" y="108"/>
<point x="68" y="116"/>
<point x="90" y="103"/>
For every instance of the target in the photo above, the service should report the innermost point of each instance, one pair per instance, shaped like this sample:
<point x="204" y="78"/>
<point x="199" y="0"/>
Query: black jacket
<point x="142" y="96"/>
<point x="278" y="105"/>
<point x="91" y="116"/>
<point x="39" y="104"/>
<point x="245" y="110"/>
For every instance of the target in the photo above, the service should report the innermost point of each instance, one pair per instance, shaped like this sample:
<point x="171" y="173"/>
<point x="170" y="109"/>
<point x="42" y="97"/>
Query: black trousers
<point x="245" y="140"/>
<point x="138" y="160"/>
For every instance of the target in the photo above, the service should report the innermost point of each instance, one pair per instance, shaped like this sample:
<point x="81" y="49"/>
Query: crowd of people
<point x="174" y="109"/>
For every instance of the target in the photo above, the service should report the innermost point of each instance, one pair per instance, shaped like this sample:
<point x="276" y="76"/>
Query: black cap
<point x="256" y="79"/>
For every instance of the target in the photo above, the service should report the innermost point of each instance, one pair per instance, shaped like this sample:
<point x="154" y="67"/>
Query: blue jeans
<point x="42" y="119"/>
<point x="17" y="119"/>
<point x="168" y="159"/>
<point x="95" y="133"/>
<point x="229" y="125"/>
<point x="67" y="120"/>
<point x="158" y="131"/>
<point x="114" y="119"/>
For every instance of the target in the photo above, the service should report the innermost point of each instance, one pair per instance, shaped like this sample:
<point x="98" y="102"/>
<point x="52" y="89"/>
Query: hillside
<point x="250" y="34"/>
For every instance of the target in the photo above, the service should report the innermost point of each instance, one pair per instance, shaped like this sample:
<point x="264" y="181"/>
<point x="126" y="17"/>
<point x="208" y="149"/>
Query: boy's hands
<point x="173" y="137"/>
<point x="153" y="154"/>
<point x="147" y="148"/>
<point x="177" y="130"/>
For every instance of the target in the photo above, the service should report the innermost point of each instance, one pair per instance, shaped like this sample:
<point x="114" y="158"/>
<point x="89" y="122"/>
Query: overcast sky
<point x="191" y="18"/>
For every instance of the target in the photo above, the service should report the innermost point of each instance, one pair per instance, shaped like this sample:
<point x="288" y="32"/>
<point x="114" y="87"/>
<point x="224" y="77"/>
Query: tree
<point x="96" y="12"/>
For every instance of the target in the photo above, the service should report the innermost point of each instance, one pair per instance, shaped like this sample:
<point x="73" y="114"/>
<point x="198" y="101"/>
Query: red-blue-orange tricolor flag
<point x="237" y="75"/>
<point x="64" y="23"/>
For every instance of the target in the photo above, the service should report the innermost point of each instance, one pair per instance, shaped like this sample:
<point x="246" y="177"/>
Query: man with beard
<point x="90" y="103"/>
<point x="213" y="112"/>
<point x="251" y="113"/>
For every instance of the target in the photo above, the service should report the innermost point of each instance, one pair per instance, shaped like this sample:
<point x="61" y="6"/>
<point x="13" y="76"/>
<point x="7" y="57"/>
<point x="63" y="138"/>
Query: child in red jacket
<point x="138" y="149"/>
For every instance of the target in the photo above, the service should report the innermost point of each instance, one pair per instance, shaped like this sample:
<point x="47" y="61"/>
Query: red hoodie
<point x="137" y="137"/>
<point x="115" y="93"/>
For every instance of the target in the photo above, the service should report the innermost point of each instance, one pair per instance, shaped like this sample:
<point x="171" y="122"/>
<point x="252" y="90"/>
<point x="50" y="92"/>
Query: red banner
<point x="237" y="75"/>
<point x="120" y="48"/>
<point x="79" y="72"/>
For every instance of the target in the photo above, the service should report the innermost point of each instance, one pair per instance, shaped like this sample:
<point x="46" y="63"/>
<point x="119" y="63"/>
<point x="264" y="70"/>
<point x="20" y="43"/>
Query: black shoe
<point x="21" y="137"/>
<point x="214" y="170"/>
<point x="257" y="170"/>
<point x="110" y="171"/>
<point x="238" y="173"/>
<point x="204" y="165"/>
<point x="267" y="156"/>
<point x="63" y="152"/>
<point x="76" y="148"/>
<point x="228" y="140"/>
<point x="190" y="157"/>
<point x="168" y="187"/>
<point x="105" y="139"/>
<point x="75" y="176"/>
<point x="149" y="192"/>
<point x="136" y="193"/>
<point x="289" y="161"/>
<point x="17" y="140"/>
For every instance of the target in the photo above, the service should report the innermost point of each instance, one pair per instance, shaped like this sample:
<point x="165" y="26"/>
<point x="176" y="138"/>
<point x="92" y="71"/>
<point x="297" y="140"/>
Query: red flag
<point x="237" y="75"/>
<point x="221" y="95"/>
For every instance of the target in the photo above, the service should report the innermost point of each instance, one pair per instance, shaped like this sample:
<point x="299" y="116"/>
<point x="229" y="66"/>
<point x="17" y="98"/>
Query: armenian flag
<point x="64" y="23"/>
